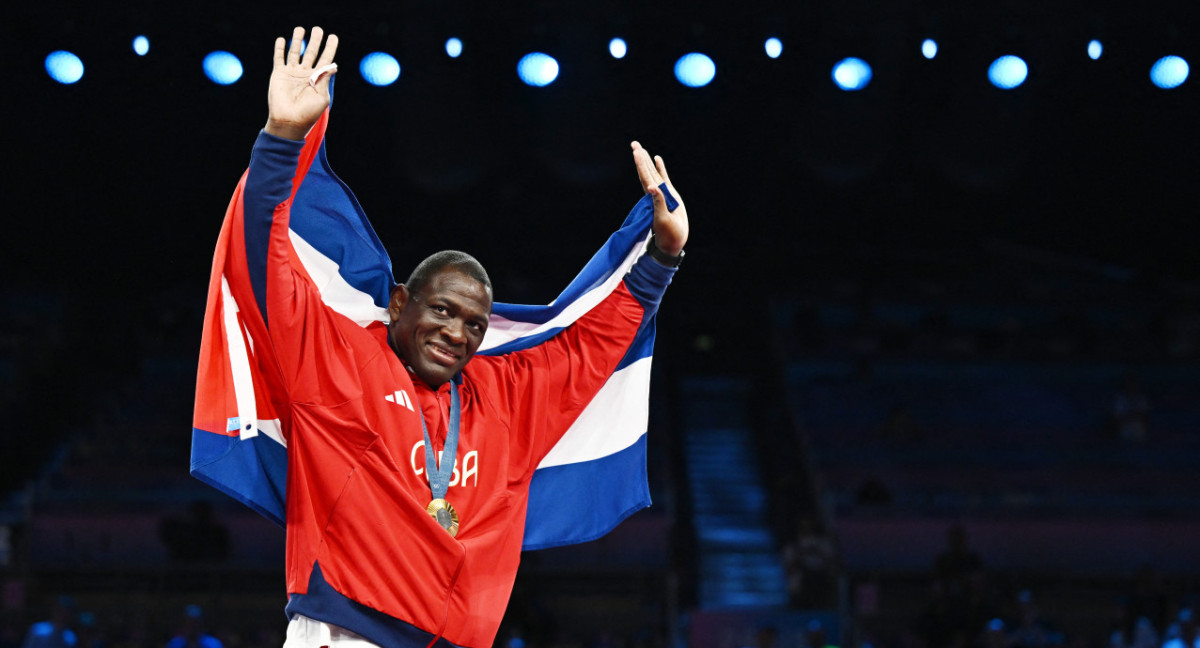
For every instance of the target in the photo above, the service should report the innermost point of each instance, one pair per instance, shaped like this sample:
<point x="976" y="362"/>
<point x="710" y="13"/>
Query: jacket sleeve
<point x="267" y="196"/>
<point x="543" y="389"/>
<point x="308" y="348"/>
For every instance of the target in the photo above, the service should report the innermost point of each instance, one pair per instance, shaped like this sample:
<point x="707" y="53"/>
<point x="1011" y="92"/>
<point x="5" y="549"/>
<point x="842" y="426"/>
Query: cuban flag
<point x="591" y="480"/>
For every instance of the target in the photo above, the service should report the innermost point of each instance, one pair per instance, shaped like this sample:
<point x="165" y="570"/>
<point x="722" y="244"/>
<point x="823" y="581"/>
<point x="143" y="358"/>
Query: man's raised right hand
<point x="293" y="103"/>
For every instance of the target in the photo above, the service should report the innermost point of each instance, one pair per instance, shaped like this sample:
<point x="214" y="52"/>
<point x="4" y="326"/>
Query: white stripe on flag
<point x="611" y="422"/>
<point x="336" y="292"/>
<point x="270" y="427"/>
<point x="243" y="376"/>
<point x="239" y="365"/>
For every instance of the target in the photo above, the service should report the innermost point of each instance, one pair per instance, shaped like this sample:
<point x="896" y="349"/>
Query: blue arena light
<point x="617" y="48"/>
<point x="1008" y="72"/>
<point x="453" y="48"/>
<point x="773" y="47"/>
<point x="1095" y="49"/>
<point x="929" y="48"/>
<point x="695" y="70"/>
<point x="379" y="69"/>
<point x="222" y="68"/>
<point x="141" y="45"/>
<point x="64" y="67"/>
<point x="537" y="69"/>
<point x="852" y="74"/>
<point x="1169" y="72"/>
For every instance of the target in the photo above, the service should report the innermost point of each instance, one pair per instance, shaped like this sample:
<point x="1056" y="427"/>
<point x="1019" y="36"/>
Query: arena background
<point x="924" y="305"/>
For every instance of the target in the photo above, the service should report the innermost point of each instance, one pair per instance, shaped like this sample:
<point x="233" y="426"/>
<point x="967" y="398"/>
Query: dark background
<point x="131" y="165"/>
<point x="115" y="188"/>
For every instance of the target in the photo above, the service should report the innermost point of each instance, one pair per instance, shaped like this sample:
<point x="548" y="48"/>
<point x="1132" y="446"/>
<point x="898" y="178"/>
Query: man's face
<point x="439" y="328"/>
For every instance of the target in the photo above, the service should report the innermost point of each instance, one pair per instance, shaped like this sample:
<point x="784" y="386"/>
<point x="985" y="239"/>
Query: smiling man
<point x="409" y="457"/>
<point x="439" y="316"/>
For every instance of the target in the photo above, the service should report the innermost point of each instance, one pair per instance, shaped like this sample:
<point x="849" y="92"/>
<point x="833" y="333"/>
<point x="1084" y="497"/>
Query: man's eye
<point x="439" y="309"/>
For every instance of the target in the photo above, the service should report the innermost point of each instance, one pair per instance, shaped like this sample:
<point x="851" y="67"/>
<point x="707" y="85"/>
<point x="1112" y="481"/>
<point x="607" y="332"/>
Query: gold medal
<point x="444" y="514"/>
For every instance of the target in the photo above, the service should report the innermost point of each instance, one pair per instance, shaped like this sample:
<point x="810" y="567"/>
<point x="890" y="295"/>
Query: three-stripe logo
<point x="400" y="397"/>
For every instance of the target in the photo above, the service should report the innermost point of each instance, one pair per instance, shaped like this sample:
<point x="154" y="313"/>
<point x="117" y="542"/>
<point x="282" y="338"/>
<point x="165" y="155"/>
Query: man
<point x="380" y="550"/>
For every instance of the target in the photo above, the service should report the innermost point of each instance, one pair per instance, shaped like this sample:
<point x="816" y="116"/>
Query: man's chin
<point x="437" y="375"/>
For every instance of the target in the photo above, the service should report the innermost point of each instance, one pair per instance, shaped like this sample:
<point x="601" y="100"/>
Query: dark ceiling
<point x="122" y="178"/>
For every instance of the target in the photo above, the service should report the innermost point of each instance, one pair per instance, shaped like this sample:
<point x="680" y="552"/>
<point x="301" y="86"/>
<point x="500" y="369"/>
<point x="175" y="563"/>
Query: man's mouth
<point x="442" y="355"/>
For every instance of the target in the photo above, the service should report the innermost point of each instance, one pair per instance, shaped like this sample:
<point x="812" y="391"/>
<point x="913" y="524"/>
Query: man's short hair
<point x="447" y="259"/>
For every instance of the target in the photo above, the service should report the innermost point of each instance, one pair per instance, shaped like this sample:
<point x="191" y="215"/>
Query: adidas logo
<point x="400" y="397"/>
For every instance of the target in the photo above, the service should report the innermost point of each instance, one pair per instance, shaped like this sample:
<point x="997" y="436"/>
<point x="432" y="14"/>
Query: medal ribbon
<point x="439" y="476"/>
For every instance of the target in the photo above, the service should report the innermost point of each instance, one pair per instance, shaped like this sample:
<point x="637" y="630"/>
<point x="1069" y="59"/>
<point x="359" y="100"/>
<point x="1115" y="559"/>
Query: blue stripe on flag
<point x="565" y="506"/>
<point x="253" y="471"/>
<point x="326" y="214"/>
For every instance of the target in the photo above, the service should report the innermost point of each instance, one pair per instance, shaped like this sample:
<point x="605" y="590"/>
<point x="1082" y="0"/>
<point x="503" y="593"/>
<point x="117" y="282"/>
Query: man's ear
<point x="397" y="302"/>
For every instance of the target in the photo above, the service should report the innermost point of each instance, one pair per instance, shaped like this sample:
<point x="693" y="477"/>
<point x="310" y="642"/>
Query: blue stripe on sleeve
<point x="647" y="281"/>
<point x="268" y="183"/>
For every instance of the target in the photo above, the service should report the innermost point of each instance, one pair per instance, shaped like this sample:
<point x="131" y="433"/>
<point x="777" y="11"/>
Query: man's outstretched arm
<point x="295" y="101"/>
<point x="549" y="384"/>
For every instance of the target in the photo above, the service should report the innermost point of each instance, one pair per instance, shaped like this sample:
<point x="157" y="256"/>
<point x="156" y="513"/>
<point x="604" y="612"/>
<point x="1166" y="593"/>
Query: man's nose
<point x="455" y="331"/>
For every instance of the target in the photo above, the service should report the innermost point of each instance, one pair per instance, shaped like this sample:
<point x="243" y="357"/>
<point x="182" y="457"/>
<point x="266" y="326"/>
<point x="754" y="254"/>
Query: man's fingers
<point x="331" y="44"/>
<point x="662" y="168"/>
<point x="294" y="51"/>
<point x="645" y="168"/>
<point x="280" y="45"/>
<point x="314" y="46"/>
<point x="662" y="171"/>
